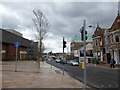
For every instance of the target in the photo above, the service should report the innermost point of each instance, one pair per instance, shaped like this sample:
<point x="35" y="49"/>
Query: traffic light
<point x="82" y="34"/>
<point x="85" y="35"/>
<point x="64" y="44"/>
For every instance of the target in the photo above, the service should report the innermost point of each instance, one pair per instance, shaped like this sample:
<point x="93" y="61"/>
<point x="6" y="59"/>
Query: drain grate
<point x="58" y="71"/>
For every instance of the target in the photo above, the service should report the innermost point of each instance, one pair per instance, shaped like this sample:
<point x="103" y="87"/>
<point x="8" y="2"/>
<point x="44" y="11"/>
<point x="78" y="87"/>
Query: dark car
<point x="63" y="62"/>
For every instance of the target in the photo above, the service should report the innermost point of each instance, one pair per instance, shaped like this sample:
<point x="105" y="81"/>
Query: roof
<point x="98" y="32"/>
<point x="8" y="37"/>
<point x="116" y="23"/>
<point x="76" y="45"/>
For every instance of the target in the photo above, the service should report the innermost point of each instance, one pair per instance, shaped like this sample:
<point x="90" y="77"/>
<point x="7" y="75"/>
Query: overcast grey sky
<point x="65" y="18"/>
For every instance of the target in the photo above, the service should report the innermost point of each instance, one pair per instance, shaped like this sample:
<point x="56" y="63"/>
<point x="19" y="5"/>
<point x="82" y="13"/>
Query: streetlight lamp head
<point x="90" y="26"/>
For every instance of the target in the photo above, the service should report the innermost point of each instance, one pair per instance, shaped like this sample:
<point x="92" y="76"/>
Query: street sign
<point x="17" y="44"/>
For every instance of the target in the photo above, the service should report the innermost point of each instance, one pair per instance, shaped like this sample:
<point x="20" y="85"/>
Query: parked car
<point x="58" y="60"/>
<point x="63" y="61"/>
<point x="53" y="58"/>
<point x="49" y="59"/>
<point x="73" y="63"/>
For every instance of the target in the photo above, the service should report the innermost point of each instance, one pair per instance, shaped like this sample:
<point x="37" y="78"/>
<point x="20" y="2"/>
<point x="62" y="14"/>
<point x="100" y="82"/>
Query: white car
<point x="73" y="63"/>
<point x="58" y="60"/>
<point x="49" y="59"/>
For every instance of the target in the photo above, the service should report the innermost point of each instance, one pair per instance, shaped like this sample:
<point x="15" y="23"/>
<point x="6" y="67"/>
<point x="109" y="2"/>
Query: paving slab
<point x="29" y="75"/>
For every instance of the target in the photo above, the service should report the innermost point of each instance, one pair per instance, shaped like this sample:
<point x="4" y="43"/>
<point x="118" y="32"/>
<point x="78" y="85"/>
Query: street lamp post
<point x="84" y="29"/>
<point x="84" y="38"/>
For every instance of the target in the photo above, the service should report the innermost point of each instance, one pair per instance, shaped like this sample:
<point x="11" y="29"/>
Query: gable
<point x="116" y="23"/>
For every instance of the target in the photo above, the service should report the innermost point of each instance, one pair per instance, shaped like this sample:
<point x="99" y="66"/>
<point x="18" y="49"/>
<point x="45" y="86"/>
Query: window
<point x="116" y="37"/>
<point x="96" y="42"/>
<point x="108" y="38"/>
<point x="100" y="41"/>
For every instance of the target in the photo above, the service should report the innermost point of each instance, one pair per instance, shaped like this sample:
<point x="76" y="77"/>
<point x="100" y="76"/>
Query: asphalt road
<point x="96" y="77"/>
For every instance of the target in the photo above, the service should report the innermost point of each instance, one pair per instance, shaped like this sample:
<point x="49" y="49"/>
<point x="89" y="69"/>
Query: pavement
<point x="103" y="66"/>
<point x="29" y="75"/>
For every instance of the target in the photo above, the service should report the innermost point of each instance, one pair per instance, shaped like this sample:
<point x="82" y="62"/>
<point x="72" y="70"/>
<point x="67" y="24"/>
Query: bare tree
<point x="41" y="27"/>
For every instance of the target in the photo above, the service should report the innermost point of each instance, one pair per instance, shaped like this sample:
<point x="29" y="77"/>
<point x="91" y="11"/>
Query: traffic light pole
<point x="63" y="57"/>
<point x="84" y="29"/>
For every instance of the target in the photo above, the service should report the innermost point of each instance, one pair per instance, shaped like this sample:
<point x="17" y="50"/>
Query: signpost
<point x="17" y="44"/>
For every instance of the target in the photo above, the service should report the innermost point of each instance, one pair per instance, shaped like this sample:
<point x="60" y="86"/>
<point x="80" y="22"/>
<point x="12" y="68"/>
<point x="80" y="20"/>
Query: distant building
<point x="59" y="55"/>
<point x="114" y="35"/>
<point x="27" y="49"/>
<point x="76" y="43"/>
<point x="89" y="49"/>
<point x="76" y="49"/>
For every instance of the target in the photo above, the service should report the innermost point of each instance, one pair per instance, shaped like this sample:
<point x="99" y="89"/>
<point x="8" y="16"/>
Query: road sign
<point x="17" y="44"/>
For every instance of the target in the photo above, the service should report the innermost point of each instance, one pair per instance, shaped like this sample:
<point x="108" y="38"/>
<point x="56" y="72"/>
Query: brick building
<point x="114" y="38"/>
<point x="27" y="49"/>
<point x="99" y="44"/>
